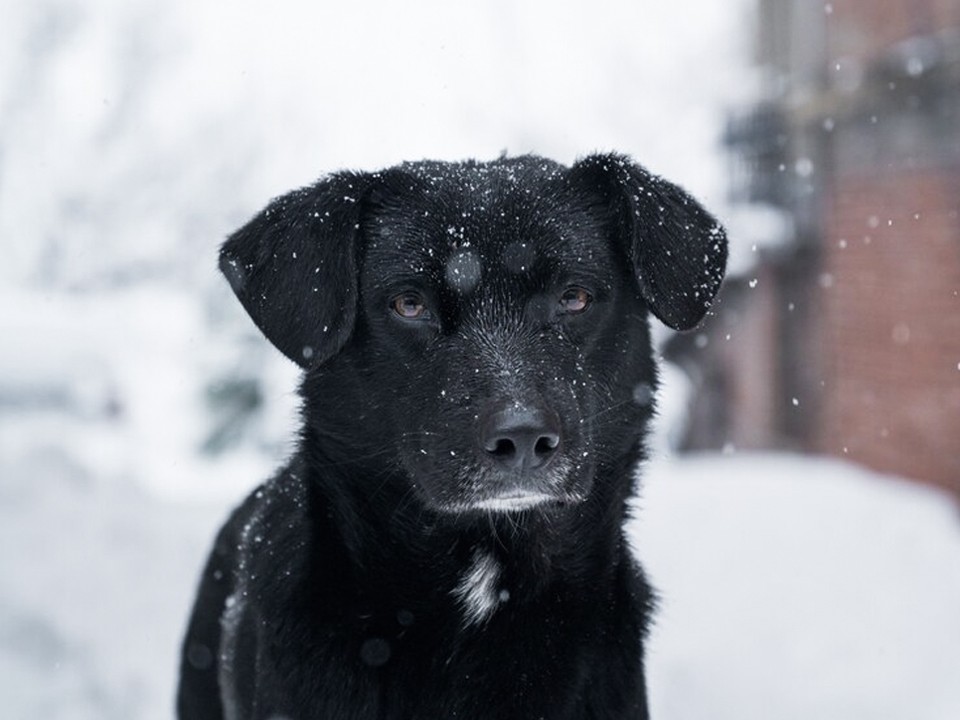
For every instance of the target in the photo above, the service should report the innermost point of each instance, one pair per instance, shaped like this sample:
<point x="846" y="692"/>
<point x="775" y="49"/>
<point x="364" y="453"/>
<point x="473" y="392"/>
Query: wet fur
<point x="362" y="581"/>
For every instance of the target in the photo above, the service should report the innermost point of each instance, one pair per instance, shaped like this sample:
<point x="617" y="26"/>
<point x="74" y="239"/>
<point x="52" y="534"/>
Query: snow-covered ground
<point x="799" y="588"/>
<point x="790" y="588"/>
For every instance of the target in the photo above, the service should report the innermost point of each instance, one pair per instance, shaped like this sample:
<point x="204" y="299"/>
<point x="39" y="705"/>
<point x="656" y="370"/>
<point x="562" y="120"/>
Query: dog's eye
<point x="575" y="300"/>
<point x="409" y="306"/>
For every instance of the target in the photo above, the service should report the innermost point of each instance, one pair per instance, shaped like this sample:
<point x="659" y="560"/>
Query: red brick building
<point x="845" y="339"/>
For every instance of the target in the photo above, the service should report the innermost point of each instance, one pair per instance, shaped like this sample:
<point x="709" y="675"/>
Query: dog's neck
<point x="421" y="558"/>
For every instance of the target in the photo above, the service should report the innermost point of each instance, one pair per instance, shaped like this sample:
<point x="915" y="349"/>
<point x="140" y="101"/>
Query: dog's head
<point x="478" y="329"/>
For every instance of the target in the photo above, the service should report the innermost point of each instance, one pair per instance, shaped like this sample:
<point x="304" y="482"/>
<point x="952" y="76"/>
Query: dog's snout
<point x="520" y="438"/>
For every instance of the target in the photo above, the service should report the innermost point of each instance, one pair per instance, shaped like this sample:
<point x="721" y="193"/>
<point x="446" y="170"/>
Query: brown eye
<point x="575" y="300"/>
<point x="409" y="306"/>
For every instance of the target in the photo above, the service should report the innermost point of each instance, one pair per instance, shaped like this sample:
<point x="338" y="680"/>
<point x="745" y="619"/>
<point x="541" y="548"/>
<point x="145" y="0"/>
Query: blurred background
<point x="800" y="517"/>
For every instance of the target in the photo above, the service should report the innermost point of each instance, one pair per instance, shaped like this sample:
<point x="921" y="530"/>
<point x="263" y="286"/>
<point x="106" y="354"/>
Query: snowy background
<point x="137" y="404"/>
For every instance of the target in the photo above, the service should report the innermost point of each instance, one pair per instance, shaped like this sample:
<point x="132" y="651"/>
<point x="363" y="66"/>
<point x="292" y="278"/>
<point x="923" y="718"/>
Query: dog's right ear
<point x="294" y="269"/>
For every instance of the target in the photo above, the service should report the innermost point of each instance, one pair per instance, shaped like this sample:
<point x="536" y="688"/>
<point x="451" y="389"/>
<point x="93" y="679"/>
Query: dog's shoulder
<point x="269" y="537"/>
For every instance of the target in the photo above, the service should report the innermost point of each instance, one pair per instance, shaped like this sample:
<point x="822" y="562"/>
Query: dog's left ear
<point x="678" y="250"/>
<point x="294" y="269"/>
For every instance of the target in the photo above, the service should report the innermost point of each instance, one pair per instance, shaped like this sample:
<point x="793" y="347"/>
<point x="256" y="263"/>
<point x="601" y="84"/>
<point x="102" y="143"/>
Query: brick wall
<point x="891" y="322"/>
<point x="850" y="343"/>
<point x="863" y="28"/>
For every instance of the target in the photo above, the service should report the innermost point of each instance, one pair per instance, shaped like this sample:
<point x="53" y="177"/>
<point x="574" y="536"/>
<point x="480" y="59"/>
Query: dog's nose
<point x="520" y="438"/>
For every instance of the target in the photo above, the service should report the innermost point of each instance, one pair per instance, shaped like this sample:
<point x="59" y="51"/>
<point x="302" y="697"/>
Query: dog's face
<point x="500" y="301"/>
<point x="479" y="330"/>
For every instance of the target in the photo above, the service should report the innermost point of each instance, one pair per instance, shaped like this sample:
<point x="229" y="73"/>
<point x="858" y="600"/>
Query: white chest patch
<point x="478" y="592"/>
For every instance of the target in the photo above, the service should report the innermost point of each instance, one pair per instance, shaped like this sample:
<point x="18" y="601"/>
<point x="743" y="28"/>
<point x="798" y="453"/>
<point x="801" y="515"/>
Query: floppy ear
<point x="678" y="250"/>
<point x="293" y="267"/>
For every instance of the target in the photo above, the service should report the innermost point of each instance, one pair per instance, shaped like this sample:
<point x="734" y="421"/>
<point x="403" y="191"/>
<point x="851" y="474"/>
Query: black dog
<point x="447" y="540"/>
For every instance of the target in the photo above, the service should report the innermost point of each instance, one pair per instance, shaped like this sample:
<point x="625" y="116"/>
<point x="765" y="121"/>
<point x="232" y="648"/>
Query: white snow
<point x="754" y="229"/>
<point x="798" y="588"/>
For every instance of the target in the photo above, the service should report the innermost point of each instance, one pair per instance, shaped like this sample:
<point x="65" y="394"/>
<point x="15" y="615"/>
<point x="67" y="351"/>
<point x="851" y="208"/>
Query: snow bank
<point x="796" y="588"/>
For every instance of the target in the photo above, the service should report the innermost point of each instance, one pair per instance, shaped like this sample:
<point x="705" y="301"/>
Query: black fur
<point x="447" y="541"/>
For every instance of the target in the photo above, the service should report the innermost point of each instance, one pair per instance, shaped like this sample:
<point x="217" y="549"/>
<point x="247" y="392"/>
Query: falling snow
<point x="117" y="483"/>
